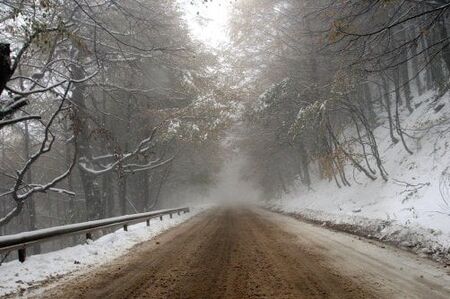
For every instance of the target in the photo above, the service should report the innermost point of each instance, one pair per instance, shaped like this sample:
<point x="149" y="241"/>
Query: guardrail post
<point x="170" y="215"/>
<point x="88" y="236"/>
<point x="125" y="227"/>
<point x="148" y="222"/>
<point x="178" y="212"/>
<point x="22" y="252"/>
<point x="160" y="217"/>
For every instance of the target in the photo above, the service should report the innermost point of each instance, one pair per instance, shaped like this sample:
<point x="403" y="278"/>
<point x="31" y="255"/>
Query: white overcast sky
<point x="208" y="21"/>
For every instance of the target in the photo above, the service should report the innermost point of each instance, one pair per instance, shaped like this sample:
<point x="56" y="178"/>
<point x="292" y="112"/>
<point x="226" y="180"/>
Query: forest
<point x="110" y="108"/>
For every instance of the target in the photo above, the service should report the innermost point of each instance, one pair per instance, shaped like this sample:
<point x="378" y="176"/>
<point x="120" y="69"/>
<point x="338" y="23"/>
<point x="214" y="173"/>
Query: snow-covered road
<point x="252" y="253"/>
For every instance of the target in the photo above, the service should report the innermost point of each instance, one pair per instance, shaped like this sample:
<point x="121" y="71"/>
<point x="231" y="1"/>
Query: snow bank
<point x="411" y="209"/>
<point x="16" y="276"/>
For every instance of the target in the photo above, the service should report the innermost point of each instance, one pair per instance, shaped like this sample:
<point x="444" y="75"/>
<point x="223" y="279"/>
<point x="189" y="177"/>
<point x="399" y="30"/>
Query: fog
<point x="232" y="188"/>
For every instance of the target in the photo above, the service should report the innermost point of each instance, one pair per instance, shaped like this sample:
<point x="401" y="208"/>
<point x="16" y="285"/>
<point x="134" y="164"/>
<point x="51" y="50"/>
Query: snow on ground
<point x="16" y="276"/>
<point x="412" y="209"/>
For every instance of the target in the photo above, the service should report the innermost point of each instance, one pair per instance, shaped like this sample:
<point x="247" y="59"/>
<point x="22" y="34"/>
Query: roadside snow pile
<point x="412" y="209"/>
<point x="16" y="276"/>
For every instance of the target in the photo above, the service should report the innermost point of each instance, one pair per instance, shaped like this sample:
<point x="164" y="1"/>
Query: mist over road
<point x="251" y="253"/>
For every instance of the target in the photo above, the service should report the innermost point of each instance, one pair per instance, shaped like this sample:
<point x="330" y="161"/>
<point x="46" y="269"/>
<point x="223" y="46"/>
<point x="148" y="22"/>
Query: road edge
<point x="433" y="251"/>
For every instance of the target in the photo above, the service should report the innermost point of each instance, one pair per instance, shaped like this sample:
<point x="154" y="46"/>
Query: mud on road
<point x="244" y="253"/>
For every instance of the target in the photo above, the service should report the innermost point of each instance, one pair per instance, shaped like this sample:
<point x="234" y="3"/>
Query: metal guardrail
<point x="23" y="240"/>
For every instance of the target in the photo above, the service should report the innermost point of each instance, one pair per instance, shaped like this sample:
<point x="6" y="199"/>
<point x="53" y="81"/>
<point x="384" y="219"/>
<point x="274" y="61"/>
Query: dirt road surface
<point x="250" y="253"/>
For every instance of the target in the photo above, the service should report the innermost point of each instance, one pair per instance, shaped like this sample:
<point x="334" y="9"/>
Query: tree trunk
<point x="304" y="164"/>
<point x="91" y="188"/>
<point x="415" y="65"/>
<point x="434" y="59"/>
<point x="446" y="48"/>
<point x="428" y="68"/>
<point x="30" y="205"/>
<point x="398" y="126"/>
<point x="369" y="105"/>
<point x="146" y="189"/>
<point x="107" y="178"/>
<point x="403" y="70"/>
<point x="387" y="100"/>
<point x="396" y="79"/>
<point x="405" y="82"/>
<point x="108" y="195"/>
<point x="123" y="195"/>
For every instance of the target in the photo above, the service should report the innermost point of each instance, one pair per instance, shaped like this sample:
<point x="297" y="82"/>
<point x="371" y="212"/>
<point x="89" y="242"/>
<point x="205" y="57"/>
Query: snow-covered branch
<point x="17" y="191"/>
<point x="141" y="148"/>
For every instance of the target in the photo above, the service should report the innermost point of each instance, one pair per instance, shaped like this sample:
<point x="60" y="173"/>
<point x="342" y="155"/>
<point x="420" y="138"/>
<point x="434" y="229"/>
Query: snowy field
<point x="16" y="276"/>
<point x="412" y="209"/>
